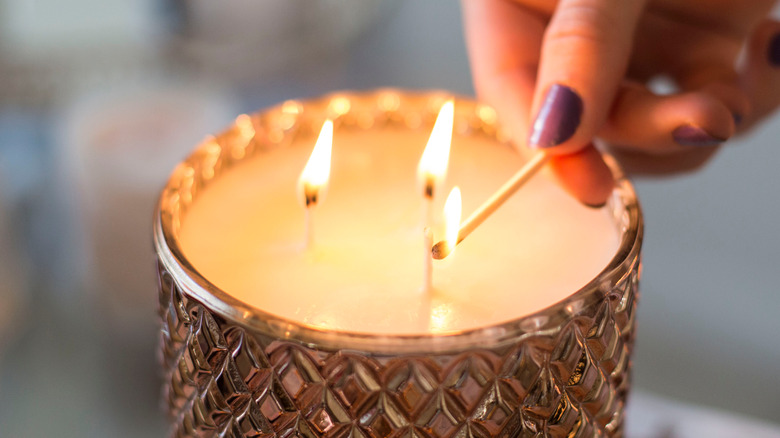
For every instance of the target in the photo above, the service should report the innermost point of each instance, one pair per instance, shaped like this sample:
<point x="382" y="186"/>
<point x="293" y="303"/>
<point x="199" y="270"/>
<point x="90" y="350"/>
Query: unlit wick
<point x="427" y="261"/>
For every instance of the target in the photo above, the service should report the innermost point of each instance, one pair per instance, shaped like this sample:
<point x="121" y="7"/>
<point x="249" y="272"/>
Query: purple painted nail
<point x="558" y="117"/>
<point x="773" y="51"/>
<point x="689" y="135"/>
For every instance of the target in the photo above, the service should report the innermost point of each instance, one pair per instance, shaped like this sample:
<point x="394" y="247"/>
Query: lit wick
<point x="444" y="248"/>
<point x="432" y="168"/>
<point x="452" y="214"/>
<point x="313" y="181"/>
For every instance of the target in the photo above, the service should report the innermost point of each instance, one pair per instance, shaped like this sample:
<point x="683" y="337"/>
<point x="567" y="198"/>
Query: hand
<point x="560" y="75"/>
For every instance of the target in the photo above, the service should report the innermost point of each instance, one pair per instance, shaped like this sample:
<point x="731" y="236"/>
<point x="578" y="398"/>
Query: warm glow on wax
<point x="314" y="178"/>
<point x="452" y="214"/>
<point x="433" y="164"/>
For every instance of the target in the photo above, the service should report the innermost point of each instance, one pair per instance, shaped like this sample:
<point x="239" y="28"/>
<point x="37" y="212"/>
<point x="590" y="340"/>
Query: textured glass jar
<point x="233" y="370"/>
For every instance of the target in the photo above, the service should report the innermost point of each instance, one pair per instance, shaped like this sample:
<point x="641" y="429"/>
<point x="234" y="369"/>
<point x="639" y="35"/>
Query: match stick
<point x="442" y="250"/>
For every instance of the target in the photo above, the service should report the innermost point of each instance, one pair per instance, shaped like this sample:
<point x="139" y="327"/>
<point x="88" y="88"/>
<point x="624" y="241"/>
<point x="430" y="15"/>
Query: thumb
<point x="584" y="57"/>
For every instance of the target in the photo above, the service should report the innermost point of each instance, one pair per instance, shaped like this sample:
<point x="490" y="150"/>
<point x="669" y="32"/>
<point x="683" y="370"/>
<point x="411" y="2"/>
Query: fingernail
<point x="595" y="206"/>
<point x="689" y="135"/>
<point x="558" y="117"/>
<point x="774" y="50"/>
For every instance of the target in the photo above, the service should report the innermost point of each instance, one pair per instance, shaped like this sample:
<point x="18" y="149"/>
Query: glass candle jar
<point x="232" y="369"/>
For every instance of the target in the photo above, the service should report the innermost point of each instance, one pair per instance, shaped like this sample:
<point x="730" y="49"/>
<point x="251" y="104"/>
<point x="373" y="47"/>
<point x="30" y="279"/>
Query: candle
<point x="526" y="329"/>
<point x="364" y="273"/>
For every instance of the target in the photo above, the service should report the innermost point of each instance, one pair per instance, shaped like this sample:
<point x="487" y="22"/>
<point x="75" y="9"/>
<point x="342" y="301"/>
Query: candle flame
<point x="314" y="178"/>
<point x="433" y="164"/>
<point x="452" y="213"/>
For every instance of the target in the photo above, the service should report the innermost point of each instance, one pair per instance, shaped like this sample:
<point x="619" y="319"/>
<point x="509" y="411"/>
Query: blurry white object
<point x="652" y="416"/>
<point x="118" y="149"/>
<point x="42" y="27"/>
<point x="244" y="39"/>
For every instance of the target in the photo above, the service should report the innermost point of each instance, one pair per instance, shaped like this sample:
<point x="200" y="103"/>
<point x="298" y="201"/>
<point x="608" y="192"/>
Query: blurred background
<point x="100" y="98"/>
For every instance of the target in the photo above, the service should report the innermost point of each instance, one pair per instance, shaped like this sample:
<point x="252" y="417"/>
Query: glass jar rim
<point x="196" y="286"/>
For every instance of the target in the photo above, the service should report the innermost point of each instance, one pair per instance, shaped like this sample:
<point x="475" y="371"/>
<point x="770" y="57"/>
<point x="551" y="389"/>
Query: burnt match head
<point x="441" y="250"/>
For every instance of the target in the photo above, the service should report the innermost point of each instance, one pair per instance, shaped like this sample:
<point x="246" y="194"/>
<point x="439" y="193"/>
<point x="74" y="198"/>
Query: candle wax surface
<point x="364" y="272"/>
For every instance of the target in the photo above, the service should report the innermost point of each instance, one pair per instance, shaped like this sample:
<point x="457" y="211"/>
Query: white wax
<point x="364" y="274"/>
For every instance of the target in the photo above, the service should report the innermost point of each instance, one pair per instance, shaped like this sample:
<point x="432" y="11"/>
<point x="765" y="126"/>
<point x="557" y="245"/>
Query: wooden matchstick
<point x="442" y="249"/>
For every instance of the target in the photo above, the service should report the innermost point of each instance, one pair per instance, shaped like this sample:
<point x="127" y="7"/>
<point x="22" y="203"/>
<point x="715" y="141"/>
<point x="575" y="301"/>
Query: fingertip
<point x="733" y="98"/>
<point x="557" y="119"/>
<point x="662" y="125"/>
<point x="585" y="175"/>
<point x="701" y="119"/>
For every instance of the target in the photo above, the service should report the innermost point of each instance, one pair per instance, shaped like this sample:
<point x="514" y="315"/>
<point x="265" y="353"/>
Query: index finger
<point x="584" y="58"/>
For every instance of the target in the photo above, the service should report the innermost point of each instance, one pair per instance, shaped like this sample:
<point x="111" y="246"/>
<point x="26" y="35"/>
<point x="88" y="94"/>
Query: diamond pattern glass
<point x="232" y="370"/>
